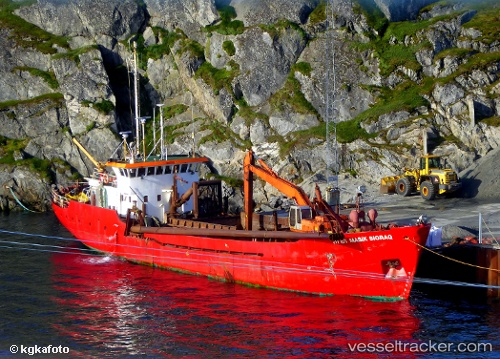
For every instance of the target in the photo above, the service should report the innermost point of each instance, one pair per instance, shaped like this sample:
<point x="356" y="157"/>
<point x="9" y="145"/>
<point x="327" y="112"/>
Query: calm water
<point x="100" y="307"/>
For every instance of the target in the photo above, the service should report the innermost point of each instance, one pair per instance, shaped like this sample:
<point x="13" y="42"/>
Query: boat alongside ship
<point x="461" y="268"/>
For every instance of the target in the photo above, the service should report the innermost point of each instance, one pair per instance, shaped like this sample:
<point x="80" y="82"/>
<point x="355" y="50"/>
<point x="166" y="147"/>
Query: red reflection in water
<point x="116" y="308"/>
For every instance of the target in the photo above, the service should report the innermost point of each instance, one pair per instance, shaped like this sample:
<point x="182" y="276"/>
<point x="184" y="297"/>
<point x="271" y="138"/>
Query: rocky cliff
<point x="248" y="73"/>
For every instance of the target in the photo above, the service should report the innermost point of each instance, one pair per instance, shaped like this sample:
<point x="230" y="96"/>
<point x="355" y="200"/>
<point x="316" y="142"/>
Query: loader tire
<point x="428" y="191"/>
<point x="403" y="187"/>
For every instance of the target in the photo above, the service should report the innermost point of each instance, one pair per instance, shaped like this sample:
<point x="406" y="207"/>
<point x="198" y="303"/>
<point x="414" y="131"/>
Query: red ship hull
<point x="375" y="264"/>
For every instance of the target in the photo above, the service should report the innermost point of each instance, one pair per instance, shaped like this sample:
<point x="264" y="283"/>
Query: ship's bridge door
<point x="296" y="214"/>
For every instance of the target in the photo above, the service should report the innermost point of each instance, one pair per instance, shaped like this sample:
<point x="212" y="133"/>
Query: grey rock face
<point x="386" y="121"/>
<point x="440" y="10"/>
<point x="164" y="77"/>
<point x="253" y="12"/>
<point x="33" y="120"/>
<point x="18" y="81"/>
<point x="82" y="84"/>
<point x="215" y="52"/>
<point x="186" y="15"/>
<point x="88" y="18"/>
<point x="283" y="124"/>
<point x="396" y="10"/>
<point x="351" y="98"/>
<point x="448" y="94"/>
<point x="265" y="60"/>
<point x="31" y="188"/>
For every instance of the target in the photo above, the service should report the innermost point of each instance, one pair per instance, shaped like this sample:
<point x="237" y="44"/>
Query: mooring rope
<point x="19" y="202"/>
<point x="49" y="250"/>
<point x="452" y="259"/>
<point x="298" y="268"/>
<point x="40" y="245"/>
<point x="454" y="283"/>
<point x="39" y="235"/>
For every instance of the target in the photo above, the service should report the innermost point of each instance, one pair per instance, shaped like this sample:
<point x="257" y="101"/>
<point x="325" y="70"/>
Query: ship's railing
<point x="60" y="200"/>
<point x="63" y="196"/>
<point x="489" y="229"/>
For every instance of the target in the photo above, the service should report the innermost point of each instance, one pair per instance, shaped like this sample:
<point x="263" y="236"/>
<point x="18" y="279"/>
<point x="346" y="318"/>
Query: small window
<point x="184" y="168"/>
<point x="306" y="213"/>
<point x="168" y="169"/>
<point x="159" y="170"/>
<point x="292" y="217"/>
<point x="132" y="172"/>
<point x="141" y="172"/>
<point x="158" y="198"/>
<point x="151" y="171"/>
<point x="146" y="199"/>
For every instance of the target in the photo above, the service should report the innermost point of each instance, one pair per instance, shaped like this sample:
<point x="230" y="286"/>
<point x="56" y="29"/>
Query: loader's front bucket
<point x="388" y="184"/>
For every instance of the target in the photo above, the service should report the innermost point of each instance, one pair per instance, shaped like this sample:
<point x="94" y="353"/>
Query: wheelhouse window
<point x="193" y="168"/>
<point x="196" y="166"/>
<point x="146" y="199"/>
<point x="159" y="170"/>
<point x="151" y="171"/>
<point x="306" y="213"/>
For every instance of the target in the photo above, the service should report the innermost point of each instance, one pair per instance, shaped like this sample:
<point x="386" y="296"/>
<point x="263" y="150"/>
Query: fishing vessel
<point x="157" y="210"/>
<point x="161" y="213"/>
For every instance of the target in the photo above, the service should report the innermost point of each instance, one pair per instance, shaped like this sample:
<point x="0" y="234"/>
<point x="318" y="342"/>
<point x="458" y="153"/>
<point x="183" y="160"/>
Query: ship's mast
<point x="330" y="97"/>
<point x="163" y="154"/>
<point x="138" y="119"/>
<point x="136" y="100"/>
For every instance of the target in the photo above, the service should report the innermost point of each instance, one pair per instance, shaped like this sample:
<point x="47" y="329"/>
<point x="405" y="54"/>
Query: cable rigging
<point x="210" y="260"/>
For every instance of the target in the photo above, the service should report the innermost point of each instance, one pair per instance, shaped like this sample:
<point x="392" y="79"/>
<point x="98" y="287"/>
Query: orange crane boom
<point x="267" y="174"/>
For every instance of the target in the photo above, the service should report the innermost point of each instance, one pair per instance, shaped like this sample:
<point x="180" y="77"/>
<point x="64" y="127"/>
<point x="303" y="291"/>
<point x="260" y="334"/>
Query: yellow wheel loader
<point x="429" y="180"/>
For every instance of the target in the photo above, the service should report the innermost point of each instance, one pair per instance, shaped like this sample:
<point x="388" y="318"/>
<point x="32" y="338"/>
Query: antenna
<point x="162" y="144"/>
<point x="192" y="122"/>
<point x="154" y="128"/>
<point x="143" y="122"/>
<point x="136" y="100"/>
<point x="124" y="135"/>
